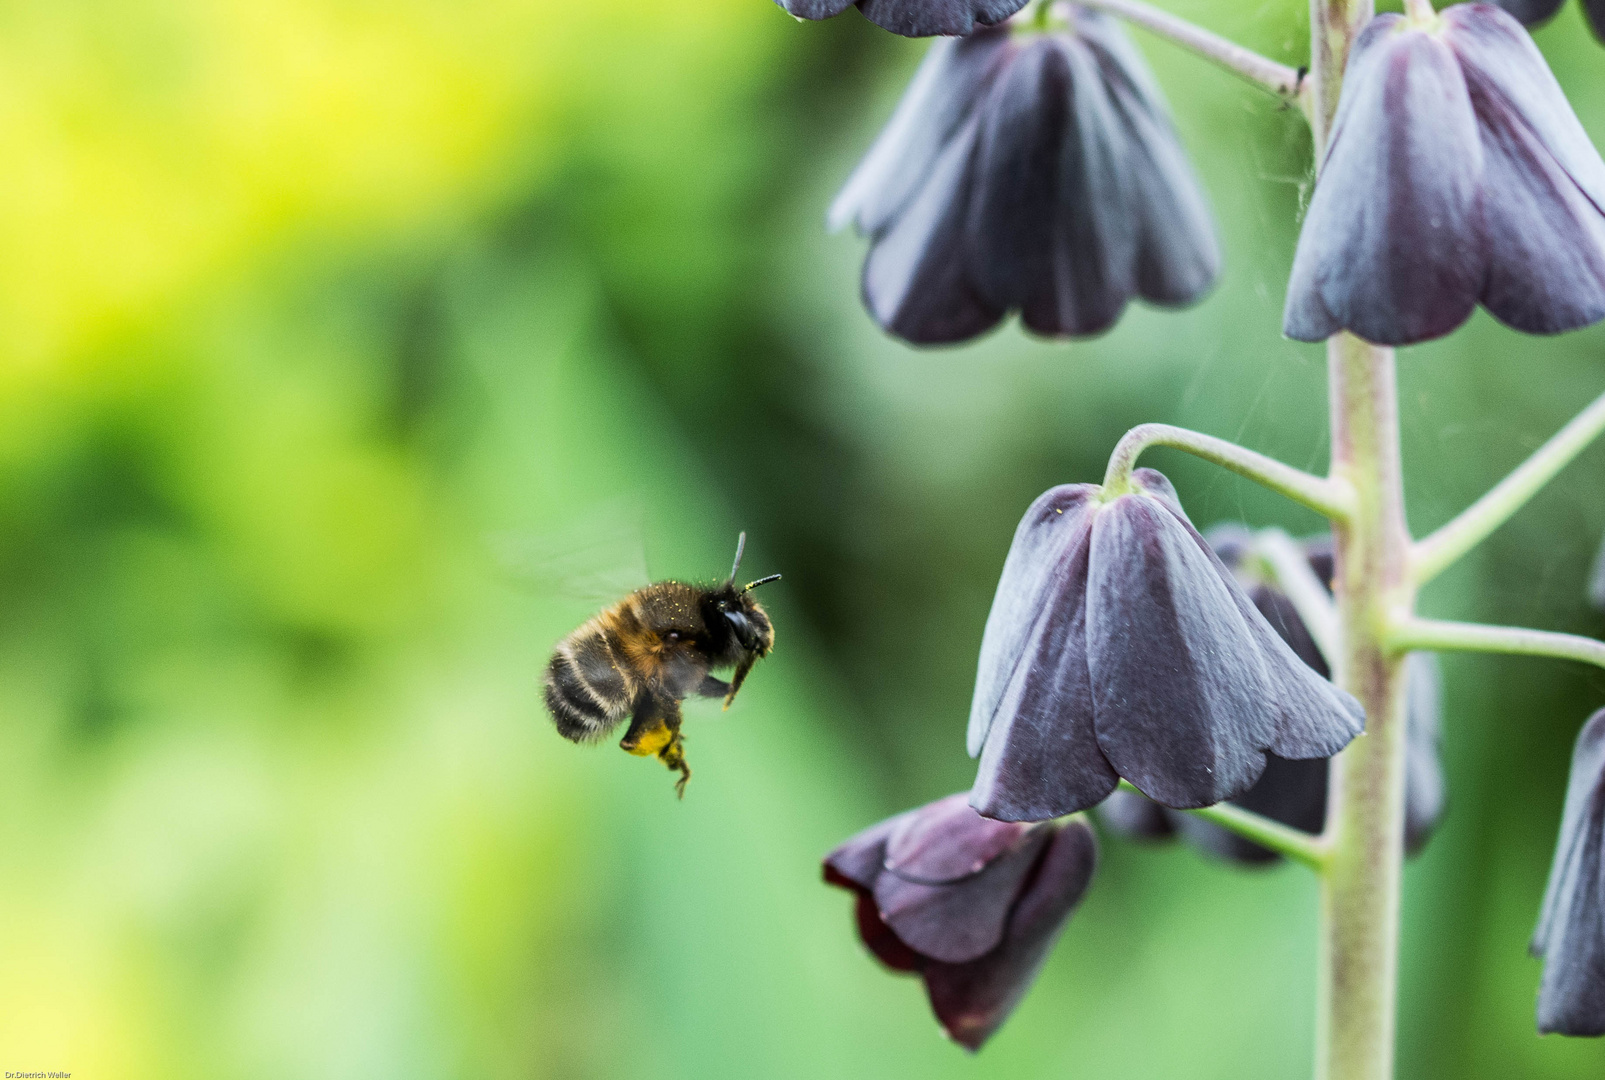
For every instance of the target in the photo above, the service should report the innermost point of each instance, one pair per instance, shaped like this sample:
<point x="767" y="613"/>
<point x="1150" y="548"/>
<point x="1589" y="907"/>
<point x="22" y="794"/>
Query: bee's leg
<point x="747" y="660"/>
<point x="655" y="732"/>
<point x="654" y="726"/>
<point x="673" y="755"/>
<point x="712" y="687"/>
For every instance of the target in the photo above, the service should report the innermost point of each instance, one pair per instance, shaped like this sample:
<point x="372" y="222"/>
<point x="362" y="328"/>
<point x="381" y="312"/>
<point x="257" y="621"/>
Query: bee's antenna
<point x="761" y="581"/>
<point x="741" y="545"/>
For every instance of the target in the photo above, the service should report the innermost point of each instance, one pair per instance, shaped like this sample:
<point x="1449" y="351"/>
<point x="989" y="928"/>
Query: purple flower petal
<point x="1031" y="718"/>
<point x="1039" y="562"/>
<point x="1177" y="258"/>
<point x="879" y="939"/>
<point x="1180" y="693"/>
<point x="913" y="18"/>
<point x="958" y="921"/>
<point x="1543" y="186"/>
<point x="972" y="1000"/>
<point x="946" y="840"/>
<point x="1531" y="12"/>
<point x="1314" y="719"/>
<point x="814" y="9"/>
<point x="1571" y="926"/>
<point x="1031" y="172"/>
<point x="1594" y="15"/>
<point x="860" y="859"/>
<point x="1390" y="249"/>
<point x="1048" y="226"/>
<point x="915" y="285"/>
<point x="927" y="18"/>
<point x="931" y="114"/>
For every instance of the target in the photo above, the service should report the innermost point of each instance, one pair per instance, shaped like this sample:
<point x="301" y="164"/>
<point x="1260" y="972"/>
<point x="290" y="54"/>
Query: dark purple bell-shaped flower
<point x="1534" y="12"/>
<point x="1456" y="174"/>
<point x="1028" y="171"/>
<point x="1119" y="645"/>
<point x="1294" y="792"/>
<point x="913" y="18"/>
<point x="972" y="905"/>
<point x="1571" y="925"/>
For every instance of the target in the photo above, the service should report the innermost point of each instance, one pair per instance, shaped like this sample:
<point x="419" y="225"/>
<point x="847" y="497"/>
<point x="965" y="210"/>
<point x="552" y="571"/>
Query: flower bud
<point x="912" y="18"/>
<point x="1456" y="174"/>
<point x="1030" y="172"/>
<point x="1119" y="645"/>
<point x="1571" y="925"/>
<point x="972" y="905"/>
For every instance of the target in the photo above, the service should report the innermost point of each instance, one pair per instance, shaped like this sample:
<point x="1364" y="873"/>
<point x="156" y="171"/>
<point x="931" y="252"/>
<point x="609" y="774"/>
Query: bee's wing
<point x="597" y="557"/>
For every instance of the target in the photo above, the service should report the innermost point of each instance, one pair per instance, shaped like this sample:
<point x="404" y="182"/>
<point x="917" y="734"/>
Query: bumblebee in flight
<point x="650" y="651"/>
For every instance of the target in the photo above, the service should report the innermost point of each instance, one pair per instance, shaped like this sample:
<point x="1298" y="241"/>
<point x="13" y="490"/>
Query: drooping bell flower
<point x="1534" y="12"/>
<point x="1294" y="792"/>
<point x="1028" y="171"/>
<point x="971" y="905"/>
<point x="1119" y="645"/>
<point x="913" y="18"/>
<point x="1456" y="174"/>
<point x="1571" y="925"/>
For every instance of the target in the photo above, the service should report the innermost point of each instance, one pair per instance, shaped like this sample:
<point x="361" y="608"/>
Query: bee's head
<point x="737" y="608"/>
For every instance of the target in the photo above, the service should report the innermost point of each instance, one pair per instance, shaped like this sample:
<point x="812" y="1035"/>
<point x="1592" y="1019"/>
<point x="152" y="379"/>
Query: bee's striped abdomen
<point x="586" y="690"/>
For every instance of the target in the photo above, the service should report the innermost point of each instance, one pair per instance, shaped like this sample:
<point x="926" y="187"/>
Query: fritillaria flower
<point x="1294" y="792"/>
<point x="1534" y="12"/>
<point x="1456" y="174"/>
<point x="971" y="905"/>
<point x="912" y="18"/>
<point x="1571" y="925"/>
<point x="1119" y="645"/>
<point x="1028" y="171"/>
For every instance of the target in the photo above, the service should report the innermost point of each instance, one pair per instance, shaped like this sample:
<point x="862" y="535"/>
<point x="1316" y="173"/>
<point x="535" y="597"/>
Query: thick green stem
<point x="1365" y="815"/>
<point x="1334" y="24"/>
<point x="1299" y="846"/>
<point x="1443" y="548"/>
<point x="1330" y="497"/>
<point x="1359" y="945"/>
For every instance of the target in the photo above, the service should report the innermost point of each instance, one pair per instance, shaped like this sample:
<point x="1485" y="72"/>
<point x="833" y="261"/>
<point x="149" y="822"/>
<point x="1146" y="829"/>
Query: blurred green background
<point x="328" y="322"/>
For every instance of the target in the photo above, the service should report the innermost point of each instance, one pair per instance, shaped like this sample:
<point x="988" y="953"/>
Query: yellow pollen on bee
<point x="651" y="741"/>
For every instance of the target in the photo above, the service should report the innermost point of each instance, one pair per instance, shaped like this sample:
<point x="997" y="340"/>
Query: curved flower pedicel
<point x="1571" y="926"/>
<point x="1295" y="792"/>
<point x="1534" y="12"/>
<point x="1456" y="174"/>
<point x="972" y="905"/>
<point x="1033" y="172"/>
<point x="1119" y="645"/>
<point x="913" y="18"/>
